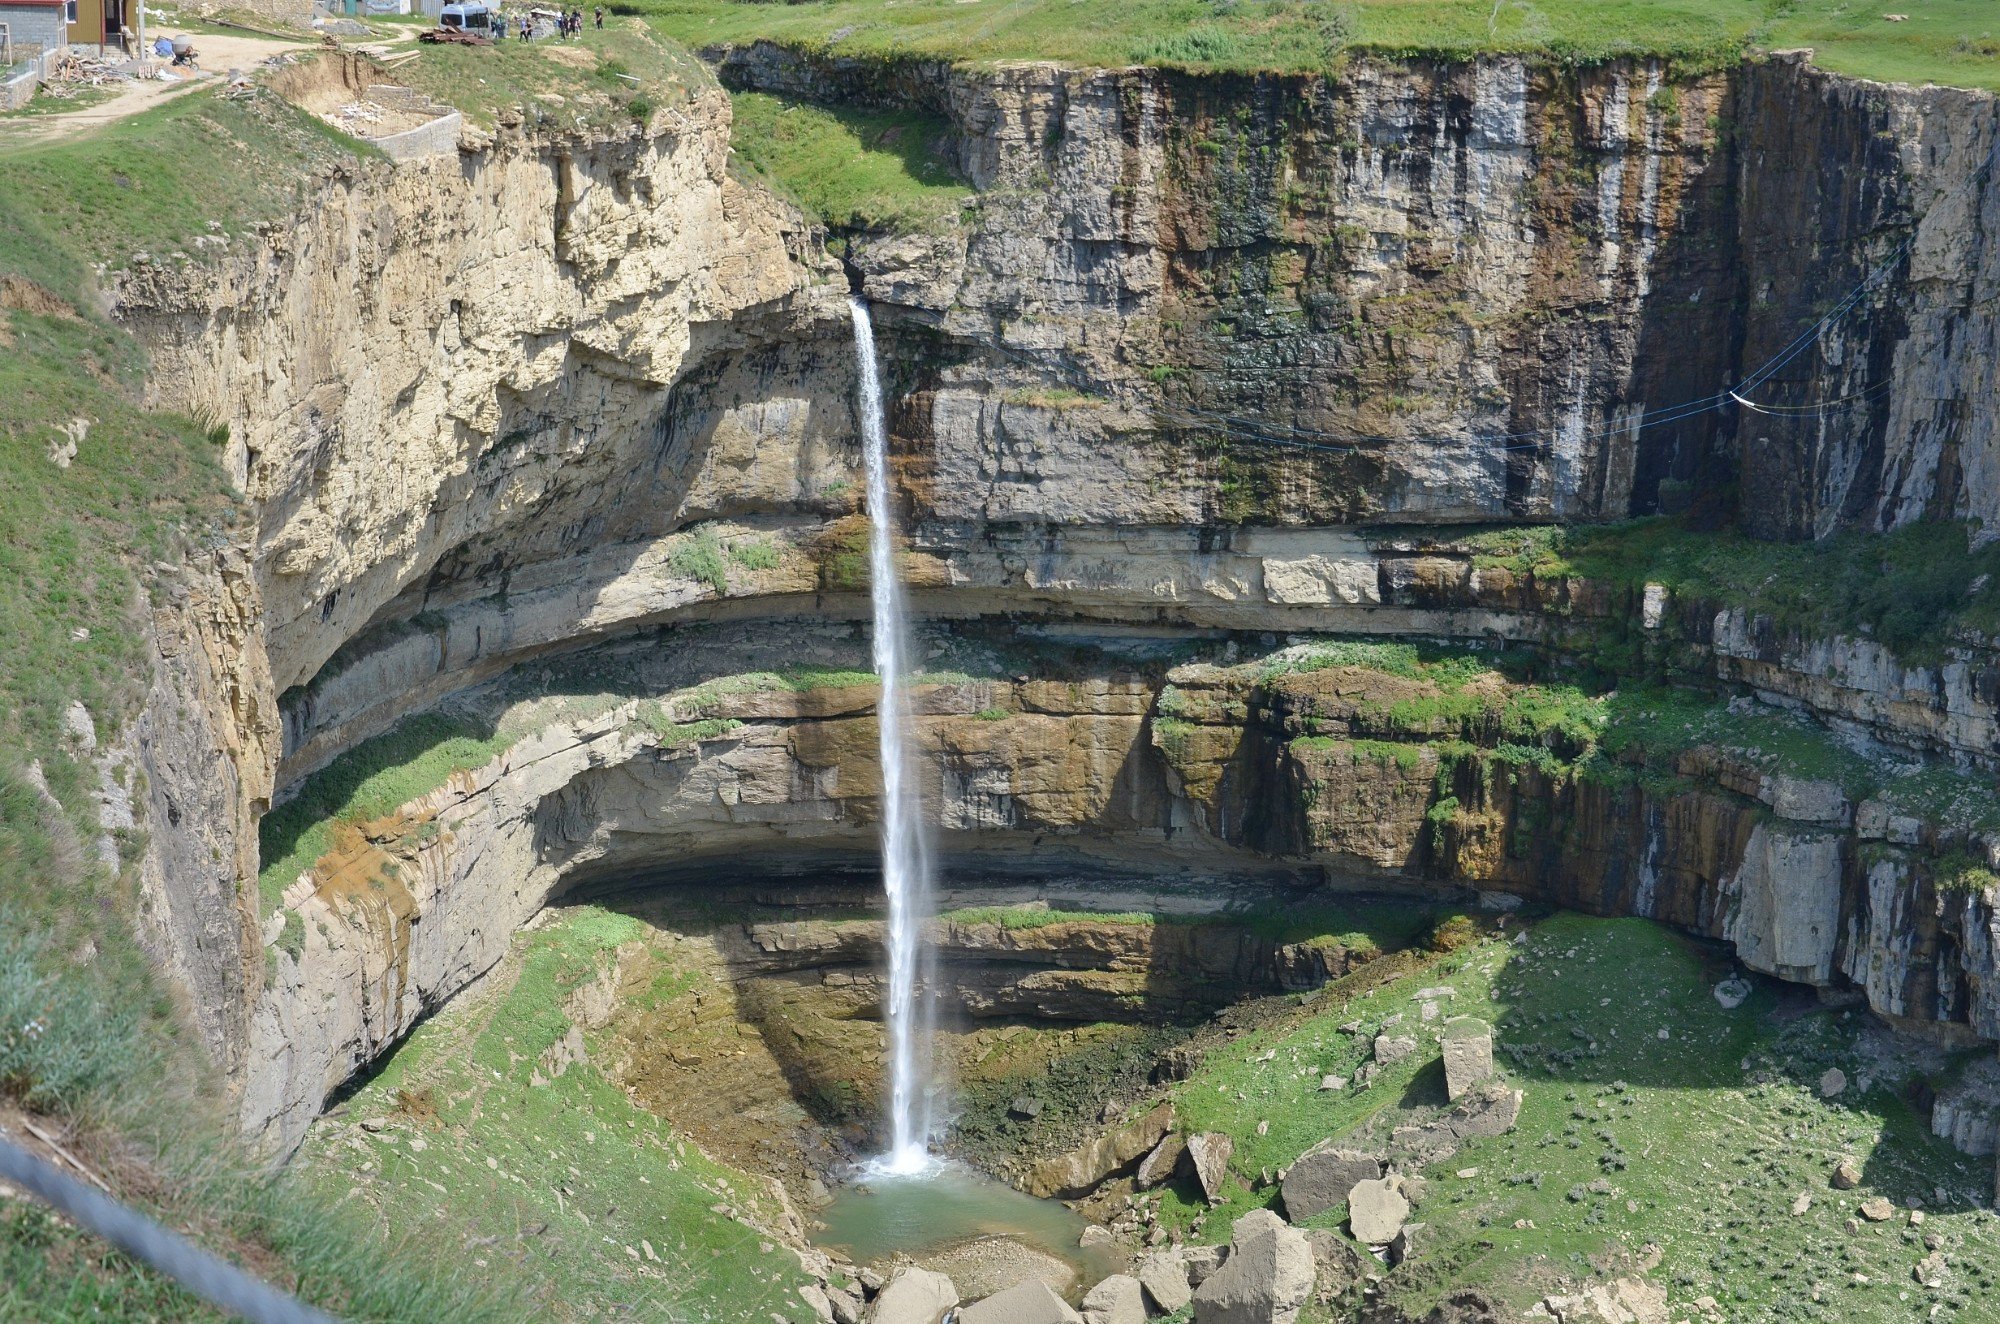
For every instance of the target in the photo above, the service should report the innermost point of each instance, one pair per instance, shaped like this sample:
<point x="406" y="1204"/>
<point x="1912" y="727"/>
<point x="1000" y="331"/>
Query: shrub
<point x="56" y="1046"/>
<point x="1205" y="43"/>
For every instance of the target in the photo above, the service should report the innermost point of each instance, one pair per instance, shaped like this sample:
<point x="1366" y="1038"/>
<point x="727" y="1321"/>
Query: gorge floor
<point x="1662" y="1135"/>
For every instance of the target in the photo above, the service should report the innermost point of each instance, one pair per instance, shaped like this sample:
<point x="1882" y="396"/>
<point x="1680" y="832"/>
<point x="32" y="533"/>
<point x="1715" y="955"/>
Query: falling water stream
<point x="906" y="865"/>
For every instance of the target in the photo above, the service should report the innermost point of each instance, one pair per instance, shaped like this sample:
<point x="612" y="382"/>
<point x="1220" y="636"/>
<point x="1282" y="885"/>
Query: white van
<point x="472" y="16"/>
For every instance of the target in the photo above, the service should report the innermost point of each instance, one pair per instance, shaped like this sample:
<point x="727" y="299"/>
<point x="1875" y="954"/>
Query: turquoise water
<point x="882" y="1216"/>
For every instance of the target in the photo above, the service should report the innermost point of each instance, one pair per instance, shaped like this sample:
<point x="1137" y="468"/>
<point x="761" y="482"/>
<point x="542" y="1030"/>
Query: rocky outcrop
<point x="1080" y="1170"/>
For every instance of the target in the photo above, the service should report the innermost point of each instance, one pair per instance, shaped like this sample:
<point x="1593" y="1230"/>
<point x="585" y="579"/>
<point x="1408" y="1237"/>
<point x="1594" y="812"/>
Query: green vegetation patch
<point x="195" y="167"/>
<point x="374" y="778"/>
<point x="1651" y="1116"/>
<point x="1909" y="589"/>
<point x="1948" y="41"/>
<point x="567" y="1181"/>
<point x="865" y="169"/>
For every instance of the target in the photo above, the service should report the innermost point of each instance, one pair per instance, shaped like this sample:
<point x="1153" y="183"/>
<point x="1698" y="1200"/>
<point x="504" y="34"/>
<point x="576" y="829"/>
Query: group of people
<point x="569" y="23"/>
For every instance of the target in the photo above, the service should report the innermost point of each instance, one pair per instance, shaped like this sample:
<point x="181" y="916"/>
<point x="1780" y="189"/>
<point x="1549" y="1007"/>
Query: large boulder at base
<point x="1376" y="1211"/>
<point x="1164" y="1275"/>
<point x="1201" y="1261"/>
<point x="1209" y="1151"/>
<point x="1621" y="1301"/>
<point x="1117" y="1300"/>
<point x="1321" y="1177"/>
<point x="1266" y="1279"/>
<point x="1030" y="1302"/>
<point x="1468" y="1055"/>
<point x="1158" y="1167"/>
<point x="913" y="1296"/>
<point x="1080" y="1170"/>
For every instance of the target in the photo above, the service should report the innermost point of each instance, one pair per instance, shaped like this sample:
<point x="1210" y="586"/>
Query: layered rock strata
<point x="1197" y="342"/>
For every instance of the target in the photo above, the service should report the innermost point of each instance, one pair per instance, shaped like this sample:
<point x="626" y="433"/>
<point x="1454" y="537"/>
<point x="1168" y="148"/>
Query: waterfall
<point x="906" y="865"/>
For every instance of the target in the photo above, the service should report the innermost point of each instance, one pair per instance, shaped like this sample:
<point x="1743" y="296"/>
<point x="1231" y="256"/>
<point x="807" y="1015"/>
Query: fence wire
<point x="209" y="1277"/>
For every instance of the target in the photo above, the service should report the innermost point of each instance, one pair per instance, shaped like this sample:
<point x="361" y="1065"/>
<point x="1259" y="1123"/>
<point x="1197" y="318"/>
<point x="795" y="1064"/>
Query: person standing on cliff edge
<point x="598" y="14"/>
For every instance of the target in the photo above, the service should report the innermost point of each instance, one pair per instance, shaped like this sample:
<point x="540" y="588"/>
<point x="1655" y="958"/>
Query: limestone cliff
<point x="516" y="426"/>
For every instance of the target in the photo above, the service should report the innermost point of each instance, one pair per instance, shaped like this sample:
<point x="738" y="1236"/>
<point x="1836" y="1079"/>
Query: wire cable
<point x="209" y="1277"/>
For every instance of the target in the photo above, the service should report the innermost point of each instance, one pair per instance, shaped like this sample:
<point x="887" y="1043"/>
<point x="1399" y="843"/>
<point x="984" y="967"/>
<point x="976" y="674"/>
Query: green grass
<point x="1638" y="730"/>
<point x="1696" y="1143"/>
<point x="699" y="557"/>
<point x="622" y="73"/>
<point x="755" y="555"/>
<point x="1657" y="725"/>
<point x="368" y="781"/>
<point x="103" y="196"/>
<point x="1026" y="917"/>
<point x="865" y="169"/>
<point x="557" y="1180"/>
<point x="1947" y="41"/>
<point x="97" y="1046"/>
<point x="1908" y="589"/>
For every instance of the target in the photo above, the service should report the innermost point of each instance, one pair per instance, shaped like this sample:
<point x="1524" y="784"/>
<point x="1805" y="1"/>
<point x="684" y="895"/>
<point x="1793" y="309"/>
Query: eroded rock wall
<point x="1197" y="345"/>
<point x="1446" y="292"/>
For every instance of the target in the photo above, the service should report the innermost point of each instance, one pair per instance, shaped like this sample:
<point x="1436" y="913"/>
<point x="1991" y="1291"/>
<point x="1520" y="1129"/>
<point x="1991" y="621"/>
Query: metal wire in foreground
<point x="212" y="1279"/>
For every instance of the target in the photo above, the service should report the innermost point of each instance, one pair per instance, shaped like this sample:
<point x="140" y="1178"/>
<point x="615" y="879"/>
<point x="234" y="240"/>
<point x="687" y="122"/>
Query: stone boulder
<point x="1118" y="1299"/>
<point x="1967" y="1111"/>
<point x="1620" y="1301"/>
<point x="1082" y="1169"/>
<point x="1201" y="1261"/>
<point x="1267" y="1277"/>
<point x="1030" y="1302"/>
<point x="1488" y="1110"/>
<point x="1321" y="1178"/>
<point x="1846" y="1173"/>
<point x="1157" y="1168"/>
<point x="1468" y="1055"/>
<point x="1376" y="1210"/>
<point x="1164" y="1275"/>
<point x="1209" y="1151"/>
<point x="1390" y="1049"/>
<point x="913" y="1296"/>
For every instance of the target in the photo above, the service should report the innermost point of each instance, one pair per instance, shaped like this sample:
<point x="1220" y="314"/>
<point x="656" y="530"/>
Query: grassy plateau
<point x="1955" y="42"/>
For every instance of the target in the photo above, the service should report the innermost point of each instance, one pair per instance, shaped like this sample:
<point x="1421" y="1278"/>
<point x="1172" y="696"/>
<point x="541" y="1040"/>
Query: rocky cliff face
<point x="520" y="424"/>
<point x="1440" y="293"/>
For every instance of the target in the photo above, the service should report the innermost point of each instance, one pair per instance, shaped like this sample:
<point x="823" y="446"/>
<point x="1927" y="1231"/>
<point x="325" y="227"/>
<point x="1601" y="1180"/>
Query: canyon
<point x="1240" y="426"/>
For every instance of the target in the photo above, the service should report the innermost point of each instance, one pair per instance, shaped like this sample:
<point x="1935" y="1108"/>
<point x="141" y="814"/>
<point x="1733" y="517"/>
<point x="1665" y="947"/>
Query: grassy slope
<point x="114" y="1068"/>
<point x="568" y="1179"/>
<point x="849" y="167"/>
<point x="1948" y="41"/>
<point x="1624" y="1138"/>
<point x="1910" y="589"/>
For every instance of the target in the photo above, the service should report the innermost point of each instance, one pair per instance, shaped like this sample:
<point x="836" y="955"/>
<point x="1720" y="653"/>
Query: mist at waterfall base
<point x="906" y="860"/>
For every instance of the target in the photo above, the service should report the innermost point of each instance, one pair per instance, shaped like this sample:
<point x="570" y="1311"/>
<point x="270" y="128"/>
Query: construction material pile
<point x="70" y="74"/>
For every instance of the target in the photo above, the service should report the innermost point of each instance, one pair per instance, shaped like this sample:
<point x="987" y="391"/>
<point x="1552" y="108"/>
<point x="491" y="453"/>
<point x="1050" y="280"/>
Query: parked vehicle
<point x="472" y="16"/>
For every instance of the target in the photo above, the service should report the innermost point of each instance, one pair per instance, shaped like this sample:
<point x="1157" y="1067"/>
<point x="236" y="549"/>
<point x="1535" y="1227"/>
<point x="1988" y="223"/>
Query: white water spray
<point x="906" y="865"/>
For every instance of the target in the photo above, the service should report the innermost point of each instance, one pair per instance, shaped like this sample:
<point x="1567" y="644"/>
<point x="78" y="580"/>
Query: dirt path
<point x="219" y="56"/>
